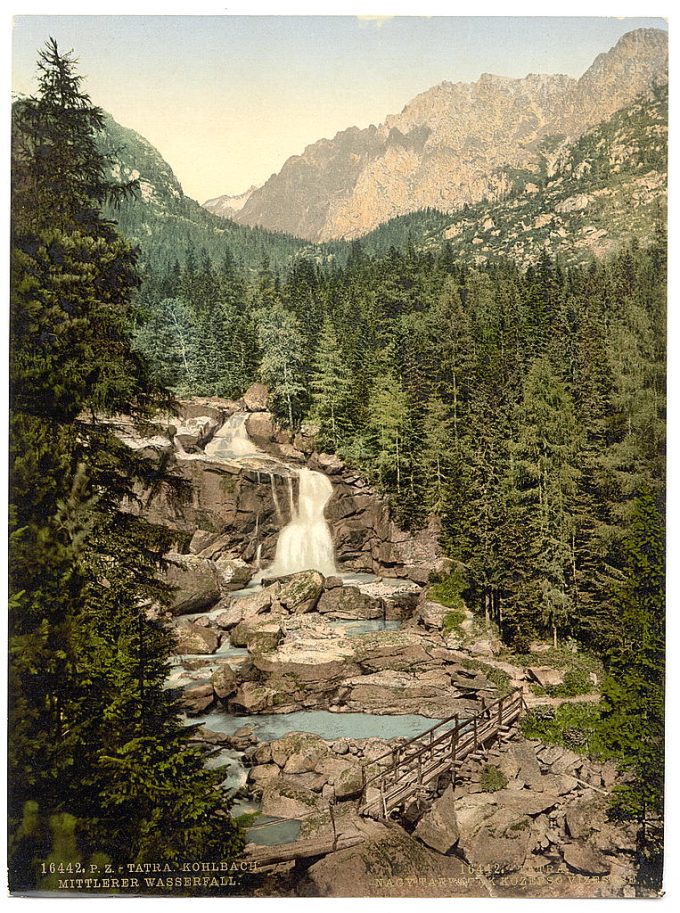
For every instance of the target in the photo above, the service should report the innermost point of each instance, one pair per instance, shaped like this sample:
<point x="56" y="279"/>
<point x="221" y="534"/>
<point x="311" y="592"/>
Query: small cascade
<point x="231" y="441"/>
<point x="258" y="558"/>
<point x="275" y="498"/>
<point x="305" y="543"/>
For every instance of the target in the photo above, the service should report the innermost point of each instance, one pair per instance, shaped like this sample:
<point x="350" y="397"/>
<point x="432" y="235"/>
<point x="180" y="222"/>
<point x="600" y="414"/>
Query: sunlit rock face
<point x="445" y="147"/>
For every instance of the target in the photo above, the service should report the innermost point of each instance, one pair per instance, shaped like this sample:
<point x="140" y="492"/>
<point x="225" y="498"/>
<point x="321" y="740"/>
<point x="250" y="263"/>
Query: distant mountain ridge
<point x="607" y="189"/>
<point x="449" y="145"/>
<point x="227" y="205"/>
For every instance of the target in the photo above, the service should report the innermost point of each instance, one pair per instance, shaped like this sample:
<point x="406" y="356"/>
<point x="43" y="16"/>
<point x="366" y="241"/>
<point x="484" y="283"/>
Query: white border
<point x="623" y="8"/>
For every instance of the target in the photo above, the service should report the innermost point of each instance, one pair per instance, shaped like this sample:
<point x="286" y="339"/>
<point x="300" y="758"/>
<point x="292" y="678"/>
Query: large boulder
<point x="389" y="863"/>
<point x="224" y="682"/>
<point x="283" y="798"/>
<point x="191" y="638"/>
<point x="529" y="770"/>
<point x="299" y="593"/>
<point x="304" y="750"/>
<point x="438" y="829"/>
<point x="348" y="602"/>
<point x="432" y="614"/>
<point x="234" y="572"/>
<point x="546" y="676"/>
<point x="491" y="834"/>
<point x="582" y="819"/>
<point x="525" y="801"/>
<point x="261" y="428"/>
<point x="253" y="698"/>
<point x="262" y="774"/>
<point x="427" y="693"/>
<point x="256" y="398"/>
<point x="259" y="634"/>
<point x="349" y="782"/>
<point x="197" y="699"/>
<point x="247" y="607"/>
<point x="195" y="432"/>
<point x="229" y="618"/>
<point x="585" y="859"/>
<point x="195" y="581"/>
<point x="306" y="660"/>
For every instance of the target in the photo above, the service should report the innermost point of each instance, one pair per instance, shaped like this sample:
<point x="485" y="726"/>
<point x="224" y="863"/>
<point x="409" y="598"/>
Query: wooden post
<point x="474" y="730"/>
<point x="335" y="833"/>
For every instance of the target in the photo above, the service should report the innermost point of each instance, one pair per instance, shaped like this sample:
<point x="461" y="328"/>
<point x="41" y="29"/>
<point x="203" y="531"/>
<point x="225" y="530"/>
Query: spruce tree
<point x="98" y="759"/>
<point x="331" y="387"/>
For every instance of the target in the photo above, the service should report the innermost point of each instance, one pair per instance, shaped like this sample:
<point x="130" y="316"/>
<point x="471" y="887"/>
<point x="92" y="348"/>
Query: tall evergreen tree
<point x="331" y="386"/>
<point x="99" y="762"/>
<point x="634" y="691"/>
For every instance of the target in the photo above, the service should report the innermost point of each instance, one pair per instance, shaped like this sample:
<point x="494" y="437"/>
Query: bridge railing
<point x="441" y="745"/>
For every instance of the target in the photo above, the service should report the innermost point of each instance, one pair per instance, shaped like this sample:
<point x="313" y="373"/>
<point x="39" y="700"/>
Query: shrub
<point x="575" y="726"/>
<point x="452" y="620"/>
<point x="492" y="779"/>
<point x="448" y="591"/>
<point x="575" y="682"/>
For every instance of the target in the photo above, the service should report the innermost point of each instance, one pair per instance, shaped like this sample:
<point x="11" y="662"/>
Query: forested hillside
<point x="524" y="408"/>
<point x="165" y="223"/>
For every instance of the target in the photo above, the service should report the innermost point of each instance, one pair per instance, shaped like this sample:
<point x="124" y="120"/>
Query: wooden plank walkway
<point x="403" y="774"/>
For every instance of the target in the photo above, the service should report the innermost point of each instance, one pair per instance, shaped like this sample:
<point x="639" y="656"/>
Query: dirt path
<point x="518" y="679"/>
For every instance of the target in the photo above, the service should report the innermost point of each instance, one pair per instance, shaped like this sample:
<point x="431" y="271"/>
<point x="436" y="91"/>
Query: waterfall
<point x="231" y="442"/>
<point x="305" y="543"/>
<point x="275" y="498"/>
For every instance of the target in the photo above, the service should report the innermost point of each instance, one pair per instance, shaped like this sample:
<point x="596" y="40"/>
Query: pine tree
<point x="331" y="387"/>
<point x="282" y="345"/>
<point x="437" y="452"/>
<point x="388" y="417"/>
<point x="634" y="690"/>
<point x="541" y="492"/>
<point x="90" y="718"/>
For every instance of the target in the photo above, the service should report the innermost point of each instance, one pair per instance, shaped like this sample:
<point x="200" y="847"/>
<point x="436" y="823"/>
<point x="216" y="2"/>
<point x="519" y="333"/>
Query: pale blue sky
<point x="226" y="99"/>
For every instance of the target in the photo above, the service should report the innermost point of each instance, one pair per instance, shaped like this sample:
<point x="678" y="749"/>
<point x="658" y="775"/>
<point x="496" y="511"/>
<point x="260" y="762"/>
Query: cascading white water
<point x="305" y="543"/>
<point x="231" y="442"/>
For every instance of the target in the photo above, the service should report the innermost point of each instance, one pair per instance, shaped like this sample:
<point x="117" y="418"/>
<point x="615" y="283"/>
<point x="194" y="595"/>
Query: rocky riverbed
<point x="299" y="682"/>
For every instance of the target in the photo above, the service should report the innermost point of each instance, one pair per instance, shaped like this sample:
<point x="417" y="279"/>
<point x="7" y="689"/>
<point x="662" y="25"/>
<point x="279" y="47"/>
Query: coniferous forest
<point x="521" y="404"/>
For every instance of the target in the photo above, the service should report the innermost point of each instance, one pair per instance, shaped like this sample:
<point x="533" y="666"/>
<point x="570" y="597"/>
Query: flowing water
<point x="270" y="726"/>
<point x="231" y="441"/>
<point x="305" y="543"/>
<point x="367" y="626"/>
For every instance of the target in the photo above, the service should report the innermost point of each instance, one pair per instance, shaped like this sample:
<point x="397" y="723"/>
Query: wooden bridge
<point x="404" y="773"/>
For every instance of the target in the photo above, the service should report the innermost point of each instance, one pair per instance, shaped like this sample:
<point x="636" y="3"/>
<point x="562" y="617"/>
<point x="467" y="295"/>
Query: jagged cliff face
<point x="445" y="148"/>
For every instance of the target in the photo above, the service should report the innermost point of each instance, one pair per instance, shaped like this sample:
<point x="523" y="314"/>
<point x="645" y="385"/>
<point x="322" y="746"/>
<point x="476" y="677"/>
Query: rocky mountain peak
<point x="447" y="145"/>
